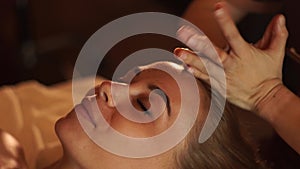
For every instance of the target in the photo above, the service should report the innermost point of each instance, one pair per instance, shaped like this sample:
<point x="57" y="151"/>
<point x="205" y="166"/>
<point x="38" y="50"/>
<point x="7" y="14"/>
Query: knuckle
<point x="232" y="36"/>
<point x="223" y="56"/>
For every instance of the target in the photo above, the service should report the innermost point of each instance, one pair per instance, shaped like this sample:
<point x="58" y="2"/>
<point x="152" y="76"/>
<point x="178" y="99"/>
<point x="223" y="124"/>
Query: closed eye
<point x="163" y="95"/>
<point x="144" y="108"/>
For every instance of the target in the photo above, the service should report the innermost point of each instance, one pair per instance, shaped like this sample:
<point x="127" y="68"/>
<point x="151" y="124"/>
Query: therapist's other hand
<point x="253" y="72"/>
<point x="11" y="152"/>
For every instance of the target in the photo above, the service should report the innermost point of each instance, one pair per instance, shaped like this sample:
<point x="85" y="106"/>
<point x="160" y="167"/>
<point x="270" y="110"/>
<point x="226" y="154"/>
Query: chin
<point x="67" y="126"/>
<point x="75" y="143"/>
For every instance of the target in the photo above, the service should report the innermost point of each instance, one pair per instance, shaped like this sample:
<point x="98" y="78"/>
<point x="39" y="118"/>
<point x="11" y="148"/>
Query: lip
<point x="82" y="112"/>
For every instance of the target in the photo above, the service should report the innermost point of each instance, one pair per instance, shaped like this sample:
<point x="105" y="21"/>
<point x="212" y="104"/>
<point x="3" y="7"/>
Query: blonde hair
<point x="225" y="149"/>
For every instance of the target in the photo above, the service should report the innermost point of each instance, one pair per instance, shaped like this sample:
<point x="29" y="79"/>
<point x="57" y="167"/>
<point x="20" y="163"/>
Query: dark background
<point x="41" y="39"/>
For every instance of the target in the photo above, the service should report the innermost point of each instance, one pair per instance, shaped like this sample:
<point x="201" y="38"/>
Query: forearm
<point x="282" y="110"/>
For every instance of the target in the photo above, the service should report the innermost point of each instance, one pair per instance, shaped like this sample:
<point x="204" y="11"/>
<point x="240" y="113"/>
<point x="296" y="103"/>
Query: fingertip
<point x="219" y="9"/>
<point x="280" y="27"/>
<point x="279" y="35"/>
<point x="281" y="20"/>
<point x="179" y="51"/>
<point x="218" y="6"/>
<point x="182" y="54"/>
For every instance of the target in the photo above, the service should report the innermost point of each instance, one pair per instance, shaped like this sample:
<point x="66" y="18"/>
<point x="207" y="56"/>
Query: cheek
<point x="138" y="130"/>
<point x="128" y="128"/>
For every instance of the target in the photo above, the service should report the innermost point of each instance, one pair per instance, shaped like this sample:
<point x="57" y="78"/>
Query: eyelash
<point x="143" y="107"/>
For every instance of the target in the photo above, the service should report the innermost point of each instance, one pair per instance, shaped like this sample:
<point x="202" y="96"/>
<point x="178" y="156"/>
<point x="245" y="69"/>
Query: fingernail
<point x="281" y="21"/>
<point x="182" y="56"/>
<point x="178" y="51"/>
<point x="219" y="11"/>
<point x="218" y="6"/>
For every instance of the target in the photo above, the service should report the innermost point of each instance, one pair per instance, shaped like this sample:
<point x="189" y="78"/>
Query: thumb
<point x="278" y="37"/>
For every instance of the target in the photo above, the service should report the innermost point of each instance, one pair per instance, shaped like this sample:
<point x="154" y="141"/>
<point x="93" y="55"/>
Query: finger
<point x="198" y="70"/>
<point x="279" y="37"/>
<point x="201" y="67"/>
<point x="264" y="42"/>
<point x="230" y="31"/>
<point x="195" y="39"/>
<point x="293" y="54"/>
<point x="198" y="42"/>
<point x="200" y="75"/>
<point x="223" y="56"/>
<point x="191" y="59"/>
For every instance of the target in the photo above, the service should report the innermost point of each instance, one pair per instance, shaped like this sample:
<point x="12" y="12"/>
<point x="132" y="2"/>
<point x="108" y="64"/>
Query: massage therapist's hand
<point x="11" y="152"/>
<point x="253" y="72"/>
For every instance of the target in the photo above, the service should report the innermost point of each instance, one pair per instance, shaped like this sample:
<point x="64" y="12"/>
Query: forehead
<point x="168" y="67"/>
<point x="161" y="69"/>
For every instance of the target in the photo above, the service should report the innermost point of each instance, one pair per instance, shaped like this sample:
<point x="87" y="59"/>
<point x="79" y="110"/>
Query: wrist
<point x="270" y="107"/>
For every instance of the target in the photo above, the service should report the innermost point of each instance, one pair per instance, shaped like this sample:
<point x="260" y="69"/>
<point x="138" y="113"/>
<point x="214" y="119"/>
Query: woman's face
<point x="80" y="148"/>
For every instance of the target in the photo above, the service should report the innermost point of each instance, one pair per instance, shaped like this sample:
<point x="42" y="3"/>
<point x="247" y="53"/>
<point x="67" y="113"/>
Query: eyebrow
<point x="153" y="87"/>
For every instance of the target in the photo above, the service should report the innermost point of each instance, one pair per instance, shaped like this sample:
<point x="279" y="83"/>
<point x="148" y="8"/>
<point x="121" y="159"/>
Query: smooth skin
<point x="81" y="152"/>
<point x="253" y="72"/>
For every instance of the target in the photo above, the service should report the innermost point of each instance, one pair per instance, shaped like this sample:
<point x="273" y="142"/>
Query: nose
<point x="109" y="91"/>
